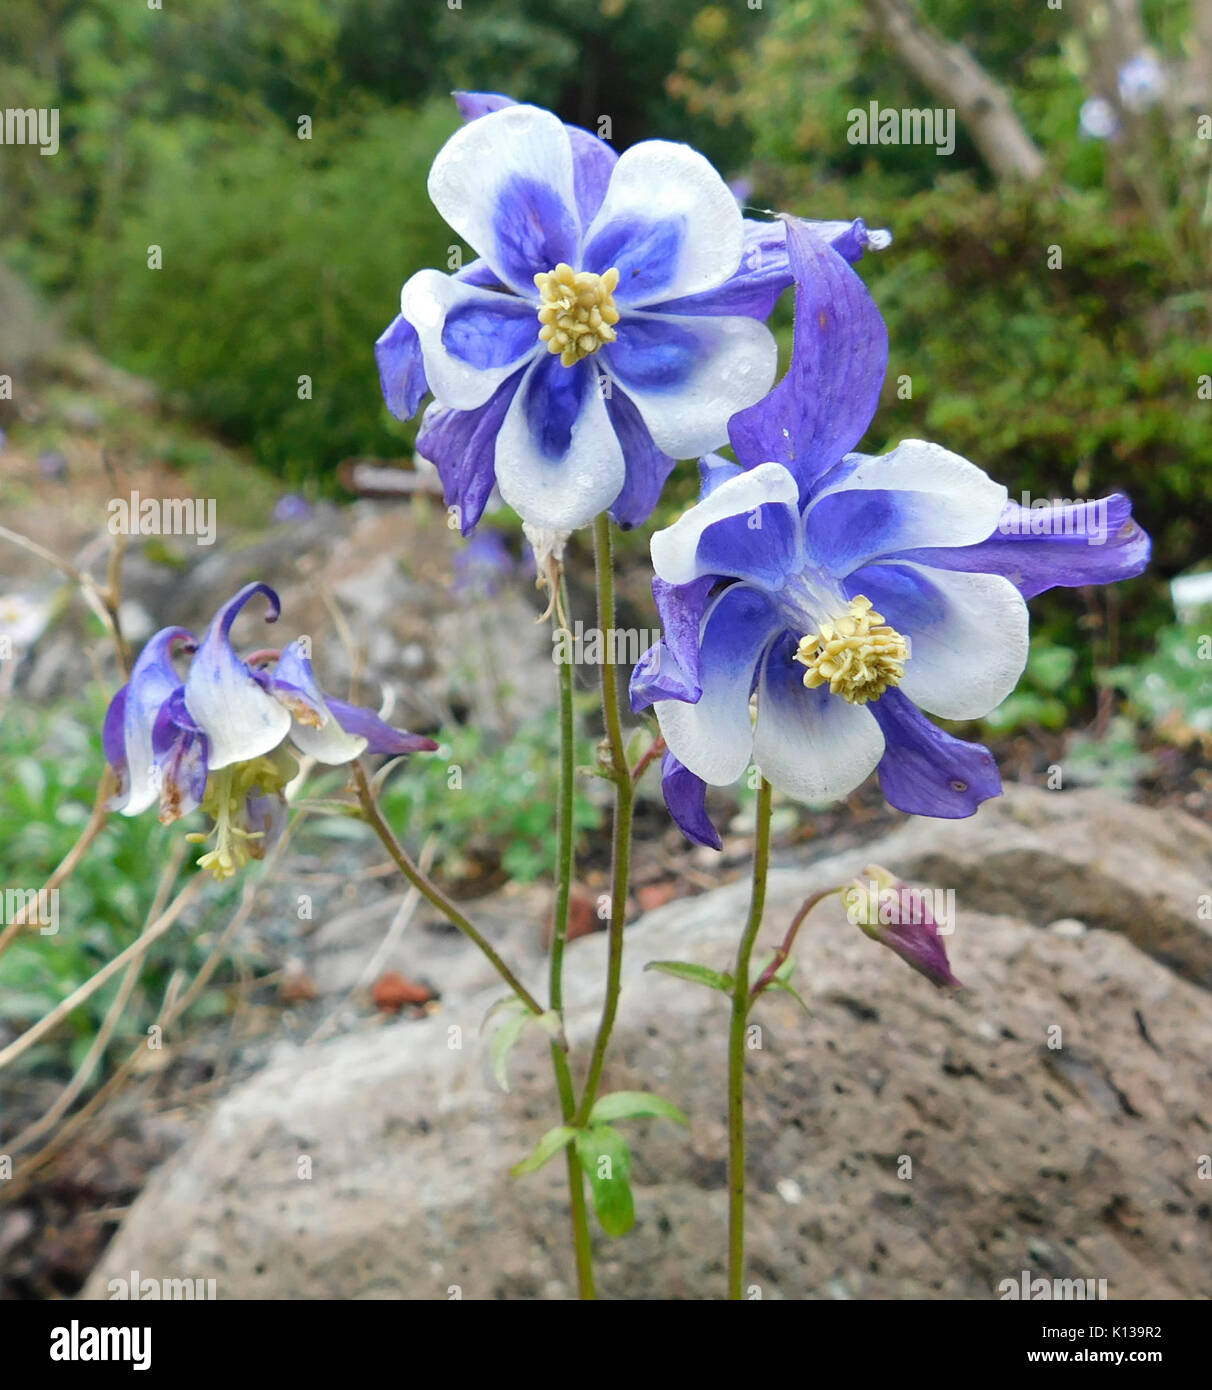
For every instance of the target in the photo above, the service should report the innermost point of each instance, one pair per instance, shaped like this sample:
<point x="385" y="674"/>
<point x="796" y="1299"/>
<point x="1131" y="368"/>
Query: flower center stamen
<point x="577" y="312"/>
<point x="858" y="656"/>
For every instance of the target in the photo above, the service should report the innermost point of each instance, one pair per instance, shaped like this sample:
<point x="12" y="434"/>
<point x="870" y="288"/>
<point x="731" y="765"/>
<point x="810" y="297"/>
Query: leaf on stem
<point x="696" y="974"/>
<point x="607" y="1162"/>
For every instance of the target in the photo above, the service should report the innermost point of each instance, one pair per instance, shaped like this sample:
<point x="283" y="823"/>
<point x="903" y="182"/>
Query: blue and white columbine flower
<point x="223" y="737"/>
<point x="849" y="593"/>
<point x="612" y="325"/>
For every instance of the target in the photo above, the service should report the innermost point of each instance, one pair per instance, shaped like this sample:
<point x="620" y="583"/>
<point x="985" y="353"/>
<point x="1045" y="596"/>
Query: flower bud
<point x="891" y="912"/>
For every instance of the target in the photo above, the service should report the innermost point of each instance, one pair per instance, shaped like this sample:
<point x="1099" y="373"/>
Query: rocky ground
<point x="1049" y="1117"/>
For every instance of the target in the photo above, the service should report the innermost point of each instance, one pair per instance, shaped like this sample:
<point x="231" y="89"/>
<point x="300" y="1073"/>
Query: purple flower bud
<point x="903" y="918"/>
<point x="292" y="507"/>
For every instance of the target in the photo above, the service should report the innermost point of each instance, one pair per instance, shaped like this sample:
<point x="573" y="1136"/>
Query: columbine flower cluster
<point x="224" y="737"/>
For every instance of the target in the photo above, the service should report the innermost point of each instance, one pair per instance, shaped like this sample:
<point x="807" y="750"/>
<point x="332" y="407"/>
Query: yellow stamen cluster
<point x="577" y="313"/>
<point x="226" y="794"/>
<point x="858" y="656"/>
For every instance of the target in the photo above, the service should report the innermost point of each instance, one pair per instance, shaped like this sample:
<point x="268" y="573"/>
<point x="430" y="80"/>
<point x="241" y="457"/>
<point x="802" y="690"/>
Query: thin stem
<point x="566" y="846"/>
<point x="736" y="1049"/>
<point x="624" y="790"/>
<point x="431" y="891"/>
<point x="780" y="955"/>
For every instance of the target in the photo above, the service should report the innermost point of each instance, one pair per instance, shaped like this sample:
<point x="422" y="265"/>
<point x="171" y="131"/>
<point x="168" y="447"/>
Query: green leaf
<point x="631" y="1105"/>
<point x="547" y="1147"/>
<point x="607" y="1162"/>
<point x="696" y="974"/>
<point x="776" y="983"/>
<point x="502" y="1044"/>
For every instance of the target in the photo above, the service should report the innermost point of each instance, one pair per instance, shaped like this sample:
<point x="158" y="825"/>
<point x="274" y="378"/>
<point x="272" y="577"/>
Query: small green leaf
<point x="547" y="1147"/>
<point x="696" y="974"/>
<point x="502" y="1044"/>
<point x="510" y="1001"/>
<point x="631" y="1105"/>
<point x="776" y="983"/>
<point x="607" y="1162"/>
<point x="550" y="1023"/>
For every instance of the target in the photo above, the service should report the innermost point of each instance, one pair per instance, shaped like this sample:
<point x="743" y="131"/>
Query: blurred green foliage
<point x="52" y="760"/>
<point x="283" y="257"/>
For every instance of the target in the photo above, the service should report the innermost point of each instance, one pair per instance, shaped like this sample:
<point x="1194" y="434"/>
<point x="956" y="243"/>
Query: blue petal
<point x="462" y="446"/>
<point x="593" y="161"/>
<point x="491" y="333"/>
<point x="928" y="772"/>
<point x="686" y="797"/>
<point x="714" y="470"/>
<point x="380" y="737"/>
<point x="653" y="354"/>
<point x="239" y="718"/>
<point x="823" y="406"/>
<point x="113" y="743"/>
<point x="764" y="546"/>
<point x="647" y="466"/>
<point x="553" y="398"/>
<point x="754" y="288"/>
<point x="181" y="759"/>
<point x="153" y="680"/>
<point x="645" y="250"/>
<point x="1069" y="558"/>
<point x="533" y="230"/>
<point x="473" y="105"/>
<point x="669" y="670"/>
<point x="401" y="368"/>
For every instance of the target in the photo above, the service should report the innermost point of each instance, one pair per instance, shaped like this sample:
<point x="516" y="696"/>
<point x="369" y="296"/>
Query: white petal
<point x="732" y="366"/>
<point x="567" y="492"/>
<point x="427" y="300"/>
<point x="714" y="738"/>
<point x="658" y="179"/>
<point x="482" y="161"/>
<point x="966" y="662"/>
<point x="940" y="500"/>
<point x="675" y="549"/>
<point x="810" y="744"/>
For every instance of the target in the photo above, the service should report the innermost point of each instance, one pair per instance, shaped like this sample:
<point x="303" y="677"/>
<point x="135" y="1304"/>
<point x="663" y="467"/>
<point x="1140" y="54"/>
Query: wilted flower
<point x="224" y="738"/>
<point x="900" y="917"/>
<point x="848" y="593"/>
<point x="613" y="324"/>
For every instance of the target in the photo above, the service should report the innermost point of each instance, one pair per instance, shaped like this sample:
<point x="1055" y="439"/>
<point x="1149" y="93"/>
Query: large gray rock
<point x="1054" y="1113"/>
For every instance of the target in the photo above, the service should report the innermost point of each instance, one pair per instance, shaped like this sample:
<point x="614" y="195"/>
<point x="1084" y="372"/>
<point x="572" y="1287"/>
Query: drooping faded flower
<point x="816" y="601"/>
<point x="223" y="738"/>
<point x="889" y="911"/>
<point x="612" y="324"/>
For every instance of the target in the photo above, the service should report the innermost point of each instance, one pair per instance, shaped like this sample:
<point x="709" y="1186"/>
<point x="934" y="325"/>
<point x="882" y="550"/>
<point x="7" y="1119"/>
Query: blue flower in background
<point x="223" y="737"/>
<point x="849" y="593"/>
<point x="613" y="324"/>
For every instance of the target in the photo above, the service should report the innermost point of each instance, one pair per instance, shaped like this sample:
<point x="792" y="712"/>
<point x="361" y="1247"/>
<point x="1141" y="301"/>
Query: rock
<point x="1043" y="855"/>
<point x="902" y="1143"/>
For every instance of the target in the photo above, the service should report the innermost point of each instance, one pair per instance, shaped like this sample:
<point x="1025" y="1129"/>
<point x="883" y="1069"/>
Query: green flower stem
<point x="559" y="937"/>
<point x="780" y="955"/>
<point x="430" y="890"/>
<point x="741" y="1003"/>
<point x="624" y="793"/>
